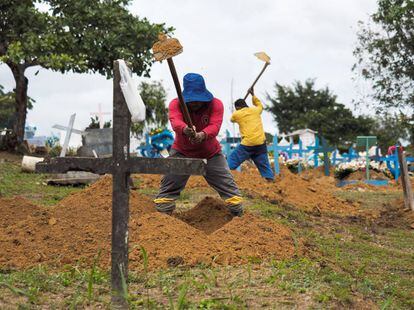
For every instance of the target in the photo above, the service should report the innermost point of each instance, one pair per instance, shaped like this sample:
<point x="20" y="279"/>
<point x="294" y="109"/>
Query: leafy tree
<point x="6" y="109"/>
<point x="302" y="106"/>
<point x="7" y="103"/>
<point x="385" y="53"/>
<point x="269" y="137"/>
<point x="392" y="128"/>
<point x="94" y="124"/>
<point x="71" y="35"/>
<point x="154" y="96"/>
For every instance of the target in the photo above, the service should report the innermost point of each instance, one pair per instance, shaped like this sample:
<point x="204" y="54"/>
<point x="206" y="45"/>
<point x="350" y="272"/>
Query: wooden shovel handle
<point x="255" y="81"/>
<point x="184" y="108"/>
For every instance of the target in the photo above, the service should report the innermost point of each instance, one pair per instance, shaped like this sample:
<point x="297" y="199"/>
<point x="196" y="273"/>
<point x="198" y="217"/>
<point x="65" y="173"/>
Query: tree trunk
<point x="21" y="101"/>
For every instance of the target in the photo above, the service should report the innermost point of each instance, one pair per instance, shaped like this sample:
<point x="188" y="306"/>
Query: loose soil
<point x="166" y="47"/>
<point x="361" y="175"/>
<point x="74" y="231"/>
<point x="307" y="192"/>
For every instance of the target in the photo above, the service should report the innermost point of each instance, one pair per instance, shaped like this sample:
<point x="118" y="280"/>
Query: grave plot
<point x="75" y="230"/>
<point x="300" y="191"/>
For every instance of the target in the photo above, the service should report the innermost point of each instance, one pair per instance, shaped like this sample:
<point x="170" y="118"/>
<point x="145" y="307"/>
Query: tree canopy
<point x="385" y="53"/>
<point x="71" y="35"/>
<point x="77" y="35"/>
<point x="302" y="106"/>
<point x="391" y="129"/>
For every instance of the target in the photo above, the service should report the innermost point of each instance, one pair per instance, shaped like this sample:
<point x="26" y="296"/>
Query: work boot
<point x="166" y="208"/>
<point x="238" y="213"/>
<point x="236" y="210"/>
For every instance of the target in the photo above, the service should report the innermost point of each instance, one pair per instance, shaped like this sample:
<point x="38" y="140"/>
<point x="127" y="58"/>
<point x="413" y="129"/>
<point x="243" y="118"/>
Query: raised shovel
<point x="263" y="57"/>
<point x="165" y="49"/>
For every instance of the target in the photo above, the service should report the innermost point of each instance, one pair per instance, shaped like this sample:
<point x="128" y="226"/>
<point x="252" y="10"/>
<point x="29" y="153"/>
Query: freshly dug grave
<point x="305" y="192"/>
<point x="363" y="187"/>
<point x="361" y="175"/>
<point x="208" y="216"/>
<point x="79" y="227"/>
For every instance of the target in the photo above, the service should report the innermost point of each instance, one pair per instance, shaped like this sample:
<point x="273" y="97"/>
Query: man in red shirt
<point x="200" y="142"/>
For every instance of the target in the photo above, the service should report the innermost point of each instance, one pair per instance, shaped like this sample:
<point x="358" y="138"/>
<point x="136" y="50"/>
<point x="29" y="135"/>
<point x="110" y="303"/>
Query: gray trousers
<point x="218" y="176"/>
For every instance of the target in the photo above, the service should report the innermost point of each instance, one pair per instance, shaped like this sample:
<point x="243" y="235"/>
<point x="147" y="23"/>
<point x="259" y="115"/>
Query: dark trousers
<point x="218" y="176"/>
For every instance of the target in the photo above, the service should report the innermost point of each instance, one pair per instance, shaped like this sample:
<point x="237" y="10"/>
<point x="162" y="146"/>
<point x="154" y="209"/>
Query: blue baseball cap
<point x="195" y="89"/>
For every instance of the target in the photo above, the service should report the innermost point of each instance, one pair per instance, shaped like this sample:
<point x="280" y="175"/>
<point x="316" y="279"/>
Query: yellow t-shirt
<point x="250" y="123"/>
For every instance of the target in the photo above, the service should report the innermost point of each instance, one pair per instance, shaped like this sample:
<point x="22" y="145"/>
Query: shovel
<point x="165" y="49"/>
<point x="263" y="57"/>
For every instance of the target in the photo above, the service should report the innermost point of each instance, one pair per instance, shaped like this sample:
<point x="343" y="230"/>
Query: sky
<point x="304" y="38"/>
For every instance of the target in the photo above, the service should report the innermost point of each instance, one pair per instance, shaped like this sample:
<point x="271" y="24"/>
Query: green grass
<point x="41" y="286"/>
<point x="33" y="186"/>
<point x="370" y="200"/>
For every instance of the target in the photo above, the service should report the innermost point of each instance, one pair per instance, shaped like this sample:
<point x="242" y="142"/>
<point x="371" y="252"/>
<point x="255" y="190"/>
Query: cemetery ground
<point x="338" y="248"/>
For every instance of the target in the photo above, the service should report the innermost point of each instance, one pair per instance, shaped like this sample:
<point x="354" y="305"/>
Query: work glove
<point x="189" y="132"/>
<point x="198" y="138"/>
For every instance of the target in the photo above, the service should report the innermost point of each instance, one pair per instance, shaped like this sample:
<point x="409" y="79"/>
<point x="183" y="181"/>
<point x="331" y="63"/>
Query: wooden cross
<point x="121" y="165"/>
<point x="325" y="149"/>
<point x="69" y="130"/>
<point x="365" y="142"/>
<point x="100" y="115"/>
<point x="315" y="154"/>
<point x="405" y="180"/>
<point x="276" y="151"/>
<point x="227" y="143"/>
<point x="298" y="151"/>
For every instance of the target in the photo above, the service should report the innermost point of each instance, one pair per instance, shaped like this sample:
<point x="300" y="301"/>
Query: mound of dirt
<point x="80" y="226"/>
<point x="363" y="187"/>
<point x="208" y="215"/>
<point x="395" y="215"/>
<point x="169" y="242"/>
<point x="254" y="238"/>
<point x="16" y="208"/>
<point x="307" y="192"/>
<point x="361" y="175"/>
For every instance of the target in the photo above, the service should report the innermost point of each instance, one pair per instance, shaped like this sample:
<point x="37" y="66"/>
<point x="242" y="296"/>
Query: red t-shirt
<point x="208" y="119"/>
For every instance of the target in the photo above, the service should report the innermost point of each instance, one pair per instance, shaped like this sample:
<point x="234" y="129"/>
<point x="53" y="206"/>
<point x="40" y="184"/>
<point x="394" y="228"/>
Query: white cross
<point x="69" y="130"/>
<point x="100" y="115"/>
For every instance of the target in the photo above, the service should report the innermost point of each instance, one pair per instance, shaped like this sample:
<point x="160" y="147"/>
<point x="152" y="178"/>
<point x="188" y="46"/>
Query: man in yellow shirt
<point x="253" y="143"/>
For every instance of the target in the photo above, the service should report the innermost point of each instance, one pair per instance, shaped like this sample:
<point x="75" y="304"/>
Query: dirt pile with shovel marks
<point x="305" y="191"/>
<point x="74" y="231"/>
